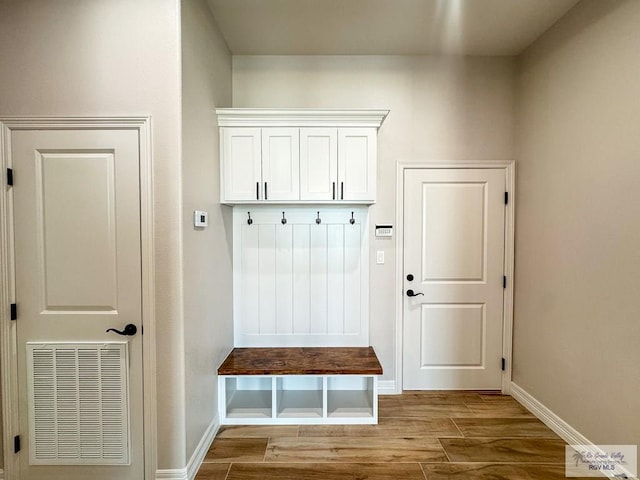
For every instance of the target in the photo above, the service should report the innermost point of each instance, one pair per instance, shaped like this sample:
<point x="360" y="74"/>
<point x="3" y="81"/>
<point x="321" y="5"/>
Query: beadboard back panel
<point x="301" y="282"/>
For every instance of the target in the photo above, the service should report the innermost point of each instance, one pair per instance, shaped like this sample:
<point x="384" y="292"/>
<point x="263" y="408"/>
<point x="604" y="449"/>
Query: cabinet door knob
<point x="333" y="195"/>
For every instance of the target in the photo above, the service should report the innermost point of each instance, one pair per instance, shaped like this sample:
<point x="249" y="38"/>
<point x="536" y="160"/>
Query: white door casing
<point x="82" y="259"/>
<point x="454" y="240"/>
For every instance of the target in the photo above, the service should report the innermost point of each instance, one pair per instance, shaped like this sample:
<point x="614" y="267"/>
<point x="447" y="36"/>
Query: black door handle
<point x="129" y="330"/>
<point x="411" y="293"/>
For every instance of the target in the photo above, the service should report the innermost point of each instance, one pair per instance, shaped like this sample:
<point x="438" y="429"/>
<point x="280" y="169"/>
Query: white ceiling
<point x="384" y="27"/>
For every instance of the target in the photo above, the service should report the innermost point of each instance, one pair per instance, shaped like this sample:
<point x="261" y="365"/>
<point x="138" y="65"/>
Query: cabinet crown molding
<point x="300" y="117"/>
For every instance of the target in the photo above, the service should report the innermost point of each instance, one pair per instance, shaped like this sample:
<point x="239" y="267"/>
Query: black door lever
<point x="129" y="330"/>
<point x="411" y="293"/>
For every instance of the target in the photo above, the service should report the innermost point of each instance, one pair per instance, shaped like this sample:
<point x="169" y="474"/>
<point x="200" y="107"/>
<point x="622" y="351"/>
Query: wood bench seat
<point x="302" y="361"/>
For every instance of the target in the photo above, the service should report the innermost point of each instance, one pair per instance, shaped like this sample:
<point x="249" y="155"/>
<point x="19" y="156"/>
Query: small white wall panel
<point x="335" y="279"/>
<point x="352" y="284"/>
<point x="319" y="283"/>
<point x="300" y="283"/>
<point x="266" y="278"/>
<point x="249" y="309"/>
<point x="284" y="279"/>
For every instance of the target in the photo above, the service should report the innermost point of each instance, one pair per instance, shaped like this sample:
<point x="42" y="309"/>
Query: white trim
<point x="387" y="387"/>
<point x="8" y="361"/>
<point x="172" y="474"/>
<point x="509" y="232"/>
<point x="299" y="117"/>
<point x="564" y="430"/>
<point x="203" y="447"/>
<point x="1" y="474"/>
<point x="190" y="471"/>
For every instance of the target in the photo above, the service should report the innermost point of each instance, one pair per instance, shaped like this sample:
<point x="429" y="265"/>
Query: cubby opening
<point x="299" y="396"/>
<point x="350" y="396"/>
<point x="248" y="397"/>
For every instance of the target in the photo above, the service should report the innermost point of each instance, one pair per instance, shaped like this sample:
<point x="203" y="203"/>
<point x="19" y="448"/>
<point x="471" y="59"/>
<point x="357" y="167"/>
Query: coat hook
<point x="352" y="220"/>
<point x="250" y="221"/>
<point x="318" y="221"/>
<point x="284" y="220"/>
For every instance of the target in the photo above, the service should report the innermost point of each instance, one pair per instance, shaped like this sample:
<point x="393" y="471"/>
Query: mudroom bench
<point x="301" y="385"/>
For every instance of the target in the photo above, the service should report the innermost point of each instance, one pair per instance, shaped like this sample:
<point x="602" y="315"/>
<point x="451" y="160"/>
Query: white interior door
<point x="453" y="264"/>
<point x="78" y="273"/>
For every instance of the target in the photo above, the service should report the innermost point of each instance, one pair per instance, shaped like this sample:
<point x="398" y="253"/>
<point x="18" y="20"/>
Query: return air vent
<point x="78" y="403"/>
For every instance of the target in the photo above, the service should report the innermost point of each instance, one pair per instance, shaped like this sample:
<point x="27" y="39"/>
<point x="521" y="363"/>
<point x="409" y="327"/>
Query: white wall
<point x="114" y="57"/>
<point x="208" y="316"/>
<point x="441" y="108"/>
<point x="577" y="313"/>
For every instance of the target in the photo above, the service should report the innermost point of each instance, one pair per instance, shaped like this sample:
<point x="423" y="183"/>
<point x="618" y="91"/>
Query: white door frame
<point x="8" y="360"/>
<point x="509" y="167"/>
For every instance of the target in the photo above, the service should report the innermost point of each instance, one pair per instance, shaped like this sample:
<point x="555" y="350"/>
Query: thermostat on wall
<point x="200" y="218"/>
<point x="384" y="230"/>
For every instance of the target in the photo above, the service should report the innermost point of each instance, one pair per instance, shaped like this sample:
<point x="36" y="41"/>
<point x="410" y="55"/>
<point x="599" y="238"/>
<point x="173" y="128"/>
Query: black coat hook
<point x="352" y="220"/>
<point x="250" y="221"/>
<point x="318" y="221"/>
<point x="284" y="220"/>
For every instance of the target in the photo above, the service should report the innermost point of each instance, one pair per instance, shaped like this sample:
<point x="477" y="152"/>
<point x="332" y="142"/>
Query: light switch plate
<point x="200" y="218"/>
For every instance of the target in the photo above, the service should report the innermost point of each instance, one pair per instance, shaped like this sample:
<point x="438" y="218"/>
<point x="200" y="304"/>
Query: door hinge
<point x="506" y="198"/>
<point x="10" y="176"/>
<point x="16" y="444"/>
<point x="504" y="364"/>
<point x="504" y="281"/>
<point x="14" y="311"/>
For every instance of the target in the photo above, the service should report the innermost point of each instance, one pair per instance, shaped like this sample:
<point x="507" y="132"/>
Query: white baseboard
<point x="387" y="387"/>
<point x="189" y="472"/>
<point x="563" y="429"/>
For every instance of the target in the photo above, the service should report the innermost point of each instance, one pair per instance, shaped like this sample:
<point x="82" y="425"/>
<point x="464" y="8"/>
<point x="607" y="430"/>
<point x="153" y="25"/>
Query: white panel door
<point x="281" y="163"/>
<point x="357" y="152"/>
<point x="453" y="267"/>
<point x="318" y="163"/>
<point x="78" y="273"/>
<point x="241" y="164"/>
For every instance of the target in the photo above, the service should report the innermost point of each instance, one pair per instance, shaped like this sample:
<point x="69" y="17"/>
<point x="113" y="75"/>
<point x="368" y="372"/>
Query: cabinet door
<point x="281" y="163"/>
<point x="357" y="164"/>
<point x="241" y="164"/>
<point x="318" y="163"/>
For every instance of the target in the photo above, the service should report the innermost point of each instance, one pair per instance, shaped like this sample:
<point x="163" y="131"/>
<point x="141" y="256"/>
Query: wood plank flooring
<point x="420" y="436"/>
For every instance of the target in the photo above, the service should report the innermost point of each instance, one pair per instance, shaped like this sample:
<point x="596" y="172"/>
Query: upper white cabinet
<point x="280" y="164"/>
<point x="298" y="155"/>
<point x="241" y="170"/>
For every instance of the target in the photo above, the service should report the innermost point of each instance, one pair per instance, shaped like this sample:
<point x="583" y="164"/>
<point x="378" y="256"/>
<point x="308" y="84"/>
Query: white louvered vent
<point x="78" y="403"/>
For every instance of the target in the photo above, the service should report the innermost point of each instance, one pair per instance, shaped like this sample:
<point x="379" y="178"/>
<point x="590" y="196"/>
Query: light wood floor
<point x="420" y="435"/>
